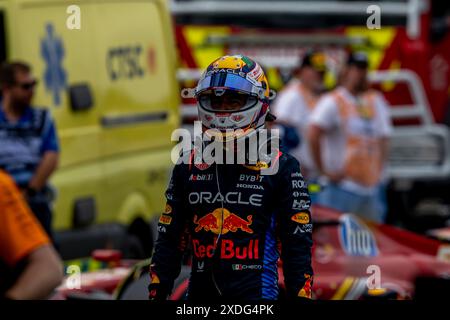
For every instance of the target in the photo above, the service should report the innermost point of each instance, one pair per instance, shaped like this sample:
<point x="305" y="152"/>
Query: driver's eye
<point x="216" y="102"/>
<point x="228" y="101"/>
<point x="236" y="102"/>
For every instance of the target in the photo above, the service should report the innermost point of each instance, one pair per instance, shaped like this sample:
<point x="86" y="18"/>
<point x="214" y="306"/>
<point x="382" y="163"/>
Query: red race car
<point x="352" y="259"/>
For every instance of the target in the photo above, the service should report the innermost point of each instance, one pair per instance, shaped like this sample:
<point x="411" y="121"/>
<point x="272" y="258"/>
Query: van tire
<point x="132" y="248"/>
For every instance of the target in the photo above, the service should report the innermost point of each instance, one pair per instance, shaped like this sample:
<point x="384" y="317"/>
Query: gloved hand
<point x="156" y="291"/>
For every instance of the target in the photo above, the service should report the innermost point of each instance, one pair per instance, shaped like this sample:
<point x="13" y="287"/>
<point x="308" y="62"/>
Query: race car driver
<point x="231" y="214"/>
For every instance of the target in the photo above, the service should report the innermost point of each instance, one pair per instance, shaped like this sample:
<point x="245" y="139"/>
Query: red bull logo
<point x="228" y="249"/>
<point x="231" y="222"/>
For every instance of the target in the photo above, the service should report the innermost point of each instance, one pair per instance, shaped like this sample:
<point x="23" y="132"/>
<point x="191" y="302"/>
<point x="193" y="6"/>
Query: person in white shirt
<point x="348" y="135"/>
<point x="294" y="105"/>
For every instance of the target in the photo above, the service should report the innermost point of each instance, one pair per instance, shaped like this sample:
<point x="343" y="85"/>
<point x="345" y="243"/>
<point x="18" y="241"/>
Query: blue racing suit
<point x="236" y="222"/>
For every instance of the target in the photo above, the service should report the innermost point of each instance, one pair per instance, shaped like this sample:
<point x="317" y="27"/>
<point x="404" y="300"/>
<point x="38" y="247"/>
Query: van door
<point x="62" y="58"/>
<point x="138" y="98"/>
<point x="136" y="71"/>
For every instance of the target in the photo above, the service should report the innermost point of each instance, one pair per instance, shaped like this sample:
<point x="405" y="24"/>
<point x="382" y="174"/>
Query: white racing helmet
<point x="233" y="93"/>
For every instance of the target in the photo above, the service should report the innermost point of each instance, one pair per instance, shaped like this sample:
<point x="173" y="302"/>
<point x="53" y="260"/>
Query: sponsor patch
<point x="255" y="74"/>
<point x="258" y="166"/>
<point x="300" y="204"/>
<point x="227" y="249"/>
<point x="165" y="219"/>
<point x="202" y="166"/>
<point x="298" y="184"/>
<point x="231" y="222"/>
<point x="154" y="278"/>
<point x="235" y="71"/>
<point x="305" y="292"/>
<point x="250" y="186"/>
<point x="200" y="266"/>
<point x="201" y="177"/>
<point x="230" y="197"/>
<point x="306" y="228"/>
<point x="297" y="194"/>
<point x="251" y="178"/>
<point x="168" y="209"/>
<point x="296" y="175"/>
<point x="239" y="267"/>
<point x="301" y="217"/>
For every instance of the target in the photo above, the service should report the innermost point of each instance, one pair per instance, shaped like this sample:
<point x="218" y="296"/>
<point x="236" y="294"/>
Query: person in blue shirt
<point x="29" y="149"/>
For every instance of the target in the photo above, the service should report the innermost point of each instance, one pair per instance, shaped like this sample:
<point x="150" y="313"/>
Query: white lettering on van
<point x="74" y="20"/>
<point x="125" y="62"/>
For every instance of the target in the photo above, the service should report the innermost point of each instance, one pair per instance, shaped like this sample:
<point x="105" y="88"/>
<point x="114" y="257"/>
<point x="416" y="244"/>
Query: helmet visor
<point x="227" y="101"/>
<point x="226" y="81"/>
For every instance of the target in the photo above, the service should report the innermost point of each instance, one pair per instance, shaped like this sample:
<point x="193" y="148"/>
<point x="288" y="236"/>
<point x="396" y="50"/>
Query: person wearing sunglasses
<point x="28" y="137"/>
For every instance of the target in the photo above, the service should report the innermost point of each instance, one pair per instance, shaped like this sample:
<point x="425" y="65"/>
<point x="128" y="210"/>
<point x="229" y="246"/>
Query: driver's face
<point x="229" y="101"/>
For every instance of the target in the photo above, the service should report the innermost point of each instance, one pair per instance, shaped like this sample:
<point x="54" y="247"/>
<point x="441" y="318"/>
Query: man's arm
<point x="50" y="155"/>
<point x="46" y="167"/>
<point x="323" y="119"/>
<point x="22" y="239"/>
<point x="43" y="272"/>
<point x="166" y="261"/>
<point x="295" y="231"/>
<point x="385" y="125"/>
<point x="315" y="134"/>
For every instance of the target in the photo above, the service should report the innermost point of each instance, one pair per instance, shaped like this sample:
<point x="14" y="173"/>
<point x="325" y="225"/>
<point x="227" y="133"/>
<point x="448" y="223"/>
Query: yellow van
<point x="106" y="70"/>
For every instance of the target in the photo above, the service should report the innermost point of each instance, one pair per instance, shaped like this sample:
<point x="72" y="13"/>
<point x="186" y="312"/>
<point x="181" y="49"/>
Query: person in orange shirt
<point x="30" y="268"/>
